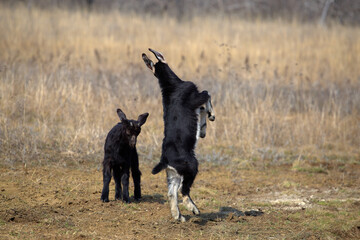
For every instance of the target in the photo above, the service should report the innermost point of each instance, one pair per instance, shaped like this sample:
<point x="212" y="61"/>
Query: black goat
<point x="181" y="103"/>
<point x="120" y="156"/>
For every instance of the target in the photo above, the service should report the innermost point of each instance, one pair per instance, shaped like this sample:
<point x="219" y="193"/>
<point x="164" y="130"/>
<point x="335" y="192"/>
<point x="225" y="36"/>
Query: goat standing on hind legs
<point x="120" y="156"/>
<point x="182" y="104"/>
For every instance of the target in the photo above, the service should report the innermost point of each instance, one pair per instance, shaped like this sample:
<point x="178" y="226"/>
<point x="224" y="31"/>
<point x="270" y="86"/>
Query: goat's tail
<point x="160" y="166"/>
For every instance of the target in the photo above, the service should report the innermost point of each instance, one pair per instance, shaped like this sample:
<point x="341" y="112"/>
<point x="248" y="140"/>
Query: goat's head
<point x="202" y="122"/>
<point x="204" y="111"/>
<point x="150" y="64"/>
<point x="132" y="128"/>
<point x="209" y="110"/>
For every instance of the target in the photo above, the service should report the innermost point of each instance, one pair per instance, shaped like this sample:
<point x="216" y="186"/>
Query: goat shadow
<point x="156" y="198"/>
<point x="228" y="213"/>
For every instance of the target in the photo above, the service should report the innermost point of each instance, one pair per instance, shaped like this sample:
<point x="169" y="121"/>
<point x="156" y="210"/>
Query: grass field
<point x="286" y="97"/>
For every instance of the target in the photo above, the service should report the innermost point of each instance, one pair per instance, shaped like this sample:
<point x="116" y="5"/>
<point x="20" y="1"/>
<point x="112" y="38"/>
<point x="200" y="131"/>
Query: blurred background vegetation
<point x="284" y="77"/>
<point x="342" y="11"/>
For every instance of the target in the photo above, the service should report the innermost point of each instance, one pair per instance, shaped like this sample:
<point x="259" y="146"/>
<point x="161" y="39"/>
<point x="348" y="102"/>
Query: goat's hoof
<point x="105" y="200"/>
<point x="196" y="212"/>
<point x="182" y="219"/>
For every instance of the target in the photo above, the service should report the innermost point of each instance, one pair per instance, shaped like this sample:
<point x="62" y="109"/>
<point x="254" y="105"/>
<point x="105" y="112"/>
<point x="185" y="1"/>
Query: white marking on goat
<point x="190" y="205"/>
<point x="174" y="180"/>
<point x="201" y="123"/>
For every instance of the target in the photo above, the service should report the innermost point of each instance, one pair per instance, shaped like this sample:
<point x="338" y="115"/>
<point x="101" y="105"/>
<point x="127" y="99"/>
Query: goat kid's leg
<point x="136" y="175"/>
<point x="174" y="183"/>
<point x="125" y="184"/>
<point x="117" y="178"/>
<point x="106" y="182"/>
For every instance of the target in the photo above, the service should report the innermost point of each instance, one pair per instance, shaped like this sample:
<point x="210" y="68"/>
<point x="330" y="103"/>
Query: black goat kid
<point x="120" y="156"/>
<point x="181" y="103"/>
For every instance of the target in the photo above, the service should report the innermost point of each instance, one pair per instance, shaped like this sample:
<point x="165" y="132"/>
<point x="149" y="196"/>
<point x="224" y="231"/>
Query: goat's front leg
<point x="125" y="184"/>
<point x="136" y="175"/>
<point x="174" y="183"/>
<point x="117" y="178"/>
<point x="199" y="99"/>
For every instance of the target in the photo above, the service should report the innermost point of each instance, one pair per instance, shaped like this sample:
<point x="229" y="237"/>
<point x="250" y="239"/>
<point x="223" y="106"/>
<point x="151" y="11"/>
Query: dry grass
<point x="279" y="89"/>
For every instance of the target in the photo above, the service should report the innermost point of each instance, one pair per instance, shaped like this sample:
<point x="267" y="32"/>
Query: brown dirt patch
<point x="64" y="203"/>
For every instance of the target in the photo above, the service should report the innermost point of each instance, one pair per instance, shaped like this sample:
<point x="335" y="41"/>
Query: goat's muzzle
<point x="211" y="117"/>
<point x="132" y="141"/>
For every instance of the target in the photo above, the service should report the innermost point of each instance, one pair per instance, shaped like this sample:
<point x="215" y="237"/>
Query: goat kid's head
<point x="132" y="127"/>
<point x="150" y="64"/>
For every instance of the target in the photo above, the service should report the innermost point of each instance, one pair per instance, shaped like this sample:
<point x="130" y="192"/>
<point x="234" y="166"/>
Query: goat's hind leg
<point x="174" y="183"/>
<point x="190" y="205"/>
<point x="106" y="182"/>
<point x="187" y="201"/>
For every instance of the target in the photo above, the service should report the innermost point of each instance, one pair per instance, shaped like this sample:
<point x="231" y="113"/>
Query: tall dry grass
<point x="279" y="89"/>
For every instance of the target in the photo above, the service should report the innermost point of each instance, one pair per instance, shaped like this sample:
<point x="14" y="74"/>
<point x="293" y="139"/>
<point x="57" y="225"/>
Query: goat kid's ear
<point x="148" y="62"/>
<point x="142" y="118"/>
<point x="158" y="55"/>
<point x="121" y="115"/>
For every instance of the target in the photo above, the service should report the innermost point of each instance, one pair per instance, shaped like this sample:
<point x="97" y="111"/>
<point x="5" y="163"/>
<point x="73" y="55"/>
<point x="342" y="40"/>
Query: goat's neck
<point x="167" y="78"/>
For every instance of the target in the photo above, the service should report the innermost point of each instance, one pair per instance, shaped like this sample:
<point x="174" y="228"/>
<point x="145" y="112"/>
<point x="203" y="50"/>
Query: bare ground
<point x="270" y="203"/>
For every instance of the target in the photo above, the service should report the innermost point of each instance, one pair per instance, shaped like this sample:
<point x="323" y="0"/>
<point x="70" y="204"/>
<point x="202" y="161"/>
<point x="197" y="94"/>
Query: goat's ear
<point x="148" y="62"/>
<point x="142" y="118"/>
<point x="158" y="55"/>
<point x="121" y="115"/>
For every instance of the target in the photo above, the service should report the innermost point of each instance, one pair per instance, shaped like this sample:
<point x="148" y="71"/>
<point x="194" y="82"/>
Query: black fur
<point x="120" y="156"/>
<point x="180" y="100"/>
